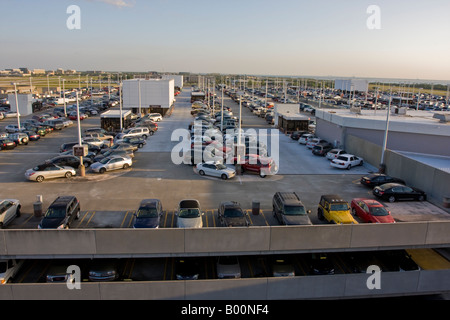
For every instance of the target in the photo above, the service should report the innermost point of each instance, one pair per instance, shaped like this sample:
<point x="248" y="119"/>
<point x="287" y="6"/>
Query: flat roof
<point x="415" y="121"/>
<point x="435" y="161"/>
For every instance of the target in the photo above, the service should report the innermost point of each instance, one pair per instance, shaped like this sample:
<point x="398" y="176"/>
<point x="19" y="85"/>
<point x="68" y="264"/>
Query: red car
<point x="371" y="211"/>
<point x="255" y="163"/>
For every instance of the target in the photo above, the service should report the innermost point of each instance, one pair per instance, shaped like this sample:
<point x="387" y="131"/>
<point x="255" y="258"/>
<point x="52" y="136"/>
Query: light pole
<point x="64" y="98"/>
<point x="82" y="169"/>
<point x="17" y="106"/>
<point x="382" y="164"/>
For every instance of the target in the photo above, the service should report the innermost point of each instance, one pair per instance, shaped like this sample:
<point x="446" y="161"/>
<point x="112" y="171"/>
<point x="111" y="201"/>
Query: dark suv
<point x="289" y="209"/>
<point x="61" y="213"/>
<point x="321" y="149"/>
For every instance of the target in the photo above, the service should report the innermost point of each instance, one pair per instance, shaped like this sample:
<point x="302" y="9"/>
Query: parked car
<point x="288" y="209"/>
<point x="215" y="169"/>
<point x="305" y="138"/>
<point x="334" y="153"/>
<point x="99" y="135"/>
<point x="9" y="209"/>
<point x="397" y="261"/>
<point x="69" y="146"/>
<point x="347" y="161"/>
<point x="322" y="149"/>
<point x="155" y="117"/>
<point x="369" y="210"/>
<point x="334" y="209"/>
<point x="320" y="263"/>
<point x="228" y="267"/>
<point x="114" y="152"/>
<point x="148" y="214"/>
<point x="141" y="132"/>
<point x="103" y="270"/>
<point x="102" y="144"/>
<point x="57" y="272"/>
<point x="7" y="144"/>
<point x="9" y="269"/>
<point x="49" y="171"/>
<point x="61" y="213"/>
<point x="69" y="161"/>
<point x="134" y="141"/>
<point x="396" y="191"/>
<point x="282" y="266"/>
<point x="377" y="179"/>
<point x="111" y="163"/>
<point x="254" y="163"/>
<point x="12" y="128"/>
<point x="189" y="214"/>
<point x="32" y="136"/>
<point x="231" y="214"/>
<point x="295" y="135"/>
<point x="19" y="138"/>
<point x="187" y="268"/>
<point x="315" y="141"/>
<point x="120" y="146"/>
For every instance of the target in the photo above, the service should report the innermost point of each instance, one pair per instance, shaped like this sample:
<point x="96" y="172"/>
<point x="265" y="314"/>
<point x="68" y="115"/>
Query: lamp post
<point x="64" y="98"/>
<point x="17" y="106"/>
<point x="382" y="164"/>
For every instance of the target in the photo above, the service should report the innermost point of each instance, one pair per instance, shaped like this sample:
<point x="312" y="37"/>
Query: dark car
<point x="397" y="260"/>
<point x="321" y="149"/>
<point x="61" y="213"/>
<point x="70" y="161"/>
<point x="6" y="144"/>
<point x="320" y="263"/>
<point x="148" y="214"/>
<point x="187" y="269"/>
<point x="134" y="141"/>
<point x="111" y="152"/>
<point x="289" y="210"/>
<point x="297" y="134"/>
<point x="230" y="214"/>
<point x="396" y="191"/>
<point x="377" y="179"/>
<point x="32" y="136"/>
<point x="69" y="146"/>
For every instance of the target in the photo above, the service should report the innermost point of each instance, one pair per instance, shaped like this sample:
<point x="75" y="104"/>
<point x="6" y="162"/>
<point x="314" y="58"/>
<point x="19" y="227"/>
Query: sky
<point x="401" y="39"/>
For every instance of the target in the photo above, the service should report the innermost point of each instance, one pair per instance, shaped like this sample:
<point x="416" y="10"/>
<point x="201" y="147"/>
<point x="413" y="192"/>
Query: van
<point x="288" y="209"/>
<point x="8" y="269"/>
<point x="55" y="124"/>
<point x="141" y="132"/>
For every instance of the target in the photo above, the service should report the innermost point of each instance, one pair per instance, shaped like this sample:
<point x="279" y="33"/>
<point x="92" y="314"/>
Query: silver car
<point x="216" y="170"/>
<point x="9" y="209"/>
<point x="49" y="171"/>
<point x="228" y="268"/>
<point x="111" y="163"/>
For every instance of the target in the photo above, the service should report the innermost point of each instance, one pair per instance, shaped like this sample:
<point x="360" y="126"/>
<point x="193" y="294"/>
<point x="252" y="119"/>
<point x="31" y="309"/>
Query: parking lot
<point x="109" y="200"/>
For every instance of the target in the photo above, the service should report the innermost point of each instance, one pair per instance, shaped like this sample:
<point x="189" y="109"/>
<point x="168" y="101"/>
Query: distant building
<point x="38" y="71"/>
<point x="146" y="96"/>
<point x="178" y="80"/>
<point x="351" y="85"/>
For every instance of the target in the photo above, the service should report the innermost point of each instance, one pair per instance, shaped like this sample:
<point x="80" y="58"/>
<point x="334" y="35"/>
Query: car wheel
<point x="391" y="199"/>
<point x="320" y="214"/>
<point x="102" y="170"/>
<point x="354" y="211"/>
<point x="201" y="172"/>
<point x="262" y="175"/>
<point x="140" y="145"/>
<point x="68" y="175"/>
<point x="39" y="178"/>
<point x="361" y="163"/>
<point x="126" y="166"/>
<point x="224" y="177"/>
<point x="18" y="211"/>
<point x="78" y="215"/>
<point x="421" y="198"/>
<point x="144" y="136"/>
<point x="348" y="167"/>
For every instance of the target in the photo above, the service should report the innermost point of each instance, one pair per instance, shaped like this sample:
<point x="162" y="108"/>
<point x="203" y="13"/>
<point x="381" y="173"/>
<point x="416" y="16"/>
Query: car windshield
<point x="104" y="160"/>
<point x="147" y="213"/>
<point x="58" y="212"/>
<point x="378" y="211"/>
<point x="294" y="210"/>
<point x="220" y="166"/>
<point x="189" y="213"/>
<point x="339" y="207"/>
<point x="233" y="213"/>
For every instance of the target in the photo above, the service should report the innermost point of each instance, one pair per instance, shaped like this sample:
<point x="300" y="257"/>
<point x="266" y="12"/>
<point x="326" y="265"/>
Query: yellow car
<point x="335" y="210"/>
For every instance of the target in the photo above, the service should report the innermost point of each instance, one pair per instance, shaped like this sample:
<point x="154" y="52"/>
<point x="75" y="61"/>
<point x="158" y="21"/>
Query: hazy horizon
<point x="291" y="38"/>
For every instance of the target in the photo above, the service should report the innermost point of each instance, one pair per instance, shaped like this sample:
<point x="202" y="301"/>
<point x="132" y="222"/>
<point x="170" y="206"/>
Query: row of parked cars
<point x="339" y="158"/>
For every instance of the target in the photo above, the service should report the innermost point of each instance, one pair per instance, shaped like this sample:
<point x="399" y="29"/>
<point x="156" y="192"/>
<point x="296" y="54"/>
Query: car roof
<point x="149" y="203"/>
<point x="230" y="204"/>
<point x="62" y="200"/>
<point x="189" y="203"/>
<point x="333" y="198"/>
<point x="290" y="198"/>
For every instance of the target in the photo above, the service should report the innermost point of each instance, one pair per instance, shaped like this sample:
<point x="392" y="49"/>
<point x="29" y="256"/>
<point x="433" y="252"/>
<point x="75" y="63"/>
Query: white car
<point x="8" y="269"/>
<point x="346" y="161"/>
<point x="189" y="214"/>
<point x="313" y="142"/>
<point x="111" y="163"/>
<point x="228" y="267"/>
<point x="49" y="171"/>
<point x="334" y="153"/>
<point x="216" y="170"/>
<point x="155" y="117"/>
<point x="9" y="209"/>
<point x="305" y="138"/>
<point x="12" y="128"/>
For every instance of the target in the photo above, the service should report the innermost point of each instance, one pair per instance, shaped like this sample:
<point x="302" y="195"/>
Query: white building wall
<point x="153" y="92"/>
<point x="178" y="80"/>
<point x="351" y="84"/>
<point x="25" y="103"/>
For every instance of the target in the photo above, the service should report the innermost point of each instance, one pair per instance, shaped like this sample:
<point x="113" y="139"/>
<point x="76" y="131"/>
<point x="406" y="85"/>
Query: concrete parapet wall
<point x="207" y="241"/>
<point x="300" y="287"/>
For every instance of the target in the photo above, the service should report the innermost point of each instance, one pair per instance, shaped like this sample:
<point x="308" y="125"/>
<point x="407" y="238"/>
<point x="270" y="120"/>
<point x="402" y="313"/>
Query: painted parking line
<point x="82" y="219"/>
